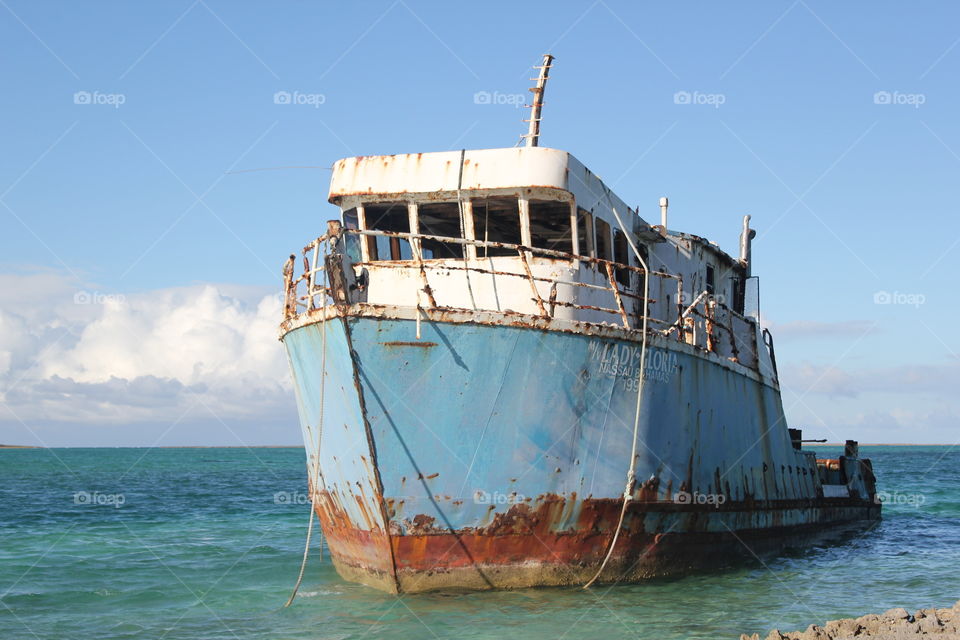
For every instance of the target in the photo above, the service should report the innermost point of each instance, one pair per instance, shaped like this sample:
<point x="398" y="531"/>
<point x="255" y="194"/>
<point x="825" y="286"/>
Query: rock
<point x="947" y="616"/>
<point x="847" y="627"/>
<point x="897" y="614"/>
<point x="744" y="636"/>
<point x="869" y="623"/>
<point x="814" y="632"/>
<point x="894" y="624"/>
<point x="929" y="624"/>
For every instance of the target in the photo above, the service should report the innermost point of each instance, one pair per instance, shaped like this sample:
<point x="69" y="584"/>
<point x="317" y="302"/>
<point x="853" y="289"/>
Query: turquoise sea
<point x="206" y="543"/>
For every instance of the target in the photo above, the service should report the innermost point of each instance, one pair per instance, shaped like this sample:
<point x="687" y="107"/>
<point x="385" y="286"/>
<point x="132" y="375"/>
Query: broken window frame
<point x="585" y="239"/>
<point x="454" y="248"/>
<point x="350" y="219"/>
<point x="479" y="216"/>
<point x="605" y="247"/>
<point x="621" y="249"/>
<point x="371" y="249"/>
<point x="559" y="209"/>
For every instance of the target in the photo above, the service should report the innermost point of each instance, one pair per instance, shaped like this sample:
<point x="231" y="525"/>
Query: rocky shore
<point x="895" y="624"/>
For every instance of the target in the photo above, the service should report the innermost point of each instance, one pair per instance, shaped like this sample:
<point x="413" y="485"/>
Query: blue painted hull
<point x="488" y="455"/>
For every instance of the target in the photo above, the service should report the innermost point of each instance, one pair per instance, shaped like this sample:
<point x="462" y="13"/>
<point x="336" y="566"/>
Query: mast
<point x="533" y="132"/>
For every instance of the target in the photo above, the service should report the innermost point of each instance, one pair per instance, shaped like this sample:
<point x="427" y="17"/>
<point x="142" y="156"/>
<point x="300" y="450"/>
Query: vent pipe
<point x="746" y="236"/>
<point x="664" y="203"/>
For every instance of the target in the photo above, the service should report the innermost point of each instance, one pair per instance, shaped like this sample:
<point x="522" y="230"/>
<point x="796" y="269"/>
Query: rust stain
<point x="525" y="547"/>
<point x="398" y="343"/>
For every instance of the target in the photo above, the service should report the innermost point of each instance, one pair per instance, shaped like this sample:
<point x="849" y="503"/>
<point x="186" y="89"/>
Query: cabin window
<point x="603" y="239"/>
<point x="388" y="216"/>
<point x="710" y="279"/>
<point x="585" y="232"/>
<point x="621" y="255"/>
<point x="496" y="220"/>
<point x="739" y="294"/>
<point x="440" y="219"/>
<point x="352" y="221"/>
<point x="550" y="225"/>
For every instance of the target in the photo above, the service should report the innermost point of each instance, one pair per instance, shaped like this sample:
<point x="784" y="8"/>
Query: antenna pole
<point x="533" y="132"/>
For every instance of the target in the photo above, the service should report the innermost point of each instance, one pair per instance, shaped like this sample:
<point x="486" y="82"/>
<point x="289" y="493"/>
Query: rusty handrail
<point x="608" y="266"/>
<point x="533" y="284"/>
<point x="447" y="266"/>
<point x="743" y="348"/>
<point x="738" y="346"/>
<point x="522" y="252"/>
<point x="616" y="295"/>
<point x="553" y="253"/>
<point x="676" y="324"/>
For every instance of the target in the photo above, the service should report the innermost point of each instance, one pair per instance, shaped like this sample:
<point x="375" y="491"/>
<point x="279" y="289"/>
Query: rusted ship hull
<point x="528" y="553"/>
<point x="490" y="451"/>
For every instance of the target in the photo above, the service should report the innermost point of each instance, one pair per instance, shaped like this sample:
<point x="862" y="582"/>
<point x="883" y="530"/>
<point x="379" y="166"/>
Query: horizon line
<point x="300" y="446"/>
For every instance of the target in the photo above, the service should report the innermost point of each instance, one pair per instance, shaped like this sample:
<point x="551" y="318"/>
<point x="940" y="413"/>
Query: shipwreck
<point x="507" y="377"/>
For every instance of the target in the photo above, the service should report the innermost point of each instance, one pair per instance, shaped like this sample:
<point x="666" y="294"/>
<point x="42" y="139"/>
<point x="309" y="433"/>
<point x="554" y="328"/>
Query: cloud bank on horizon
<point x="201" y="364"/>
<point x="73" y="355"/>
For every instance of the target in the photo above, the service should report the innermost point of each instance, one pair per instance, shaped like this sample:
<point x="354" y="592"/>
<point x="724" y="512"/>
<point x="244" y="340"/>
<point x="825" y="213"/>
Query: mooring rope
<point x="631" y="472"/>
<point x="312" y="488"/>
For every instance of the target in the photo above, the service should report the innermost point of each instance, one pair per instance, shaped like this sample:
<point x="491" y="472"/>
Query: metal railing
<point x="702" y="323"/>
<point x="313" y="266"/>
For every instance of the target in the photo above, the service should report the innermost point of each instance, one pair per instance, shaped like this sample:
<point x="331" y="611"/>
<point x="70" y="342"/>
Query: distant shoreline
<point x="300" y="446"/>
<point x="882" y="444"/>
<point x="184" y="446"/>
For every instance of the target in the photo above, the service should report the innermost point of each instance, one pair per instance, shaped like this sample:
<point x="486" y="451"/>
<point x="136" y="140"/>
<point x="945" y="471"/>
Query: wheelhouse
<point x="503" y="198"/>
<point x="528" y="231"/>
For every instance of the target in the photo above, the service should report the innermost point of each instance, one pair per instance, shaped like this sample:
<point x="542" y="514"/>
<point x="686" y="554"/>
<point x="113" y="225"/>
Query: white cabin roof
<point x="436" y="172"/>
<point x="440" y="171"/>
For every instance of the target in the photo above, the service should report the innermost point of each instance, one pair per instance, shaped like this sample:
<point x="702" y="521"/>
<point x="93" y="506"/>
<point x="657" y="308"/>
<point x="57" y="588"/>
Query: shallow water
<point x="206" y="543"/>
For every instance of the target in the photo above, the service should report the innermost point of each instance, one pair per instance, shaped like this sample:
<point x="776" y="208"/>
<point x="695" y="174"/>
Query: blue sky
<point x="833" y="124"/>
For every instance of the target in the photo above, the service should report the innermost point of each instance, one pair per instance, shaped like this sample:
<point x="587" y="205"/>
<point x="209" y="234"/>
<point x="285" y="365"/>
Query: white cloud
<point x="892" y="404"/>
<point x="914" y="423"/>
<point x="932" y="379"/>
<point x="70" y="353"/>
<point x="209" y="355"/>
<point x="802" y="329"/>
